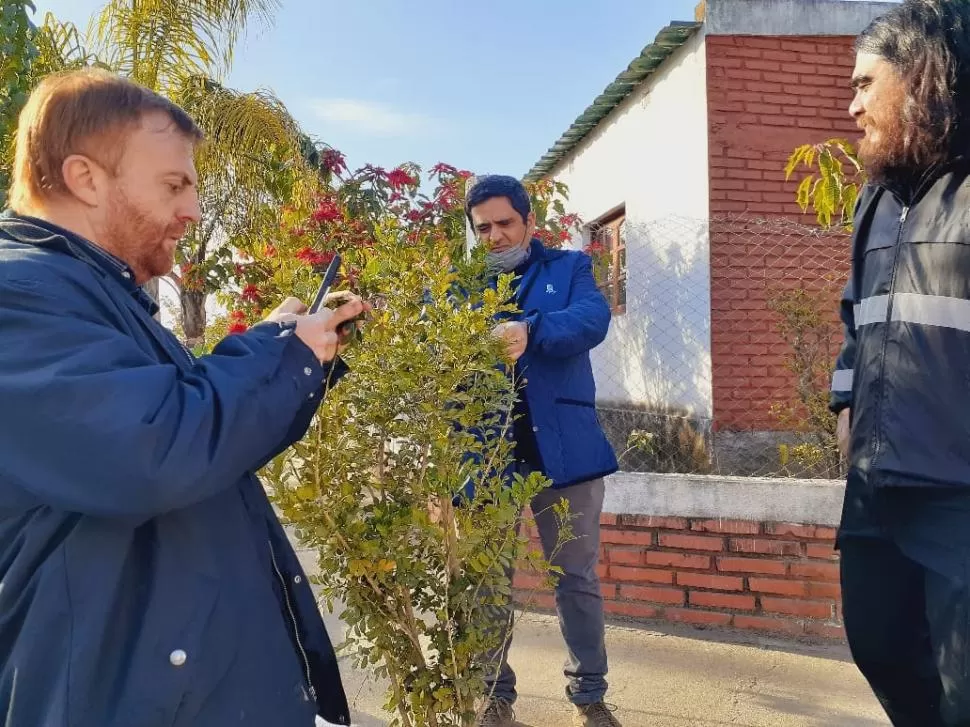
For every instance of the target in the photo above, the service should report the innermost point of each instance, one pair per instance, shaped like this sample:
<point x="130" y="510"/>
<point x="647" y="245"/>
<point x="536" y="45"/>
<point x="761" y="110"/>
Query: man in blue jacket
<point x="556" y="430"/>
<point x="144" y="578"/>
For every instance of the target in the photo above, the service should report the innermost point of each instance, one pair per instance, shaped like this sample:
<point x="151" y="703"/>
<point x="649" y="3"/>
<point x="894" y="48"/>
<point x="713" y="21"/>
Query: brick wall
<point x="775" y="578"/>
<point x="766" y="96"/>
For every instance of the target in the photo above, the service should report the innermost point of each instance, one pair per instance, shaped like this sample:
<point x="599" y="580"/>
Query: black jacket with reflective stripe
<point x="905" y="365"/>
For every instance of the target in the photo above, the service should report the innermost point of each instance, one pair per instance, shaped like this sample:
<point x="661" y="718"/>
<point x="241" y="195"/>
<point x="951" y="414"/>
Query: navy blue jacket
<point x="567" y="317"/>
<point x="145" y="580"/>
<point x="903" y="368"/>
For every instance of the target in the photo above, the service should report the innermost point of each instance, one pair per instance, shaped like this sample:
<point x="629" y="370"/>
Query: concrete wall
<point x="791" y="17"/>
<point x="650" y="155"/>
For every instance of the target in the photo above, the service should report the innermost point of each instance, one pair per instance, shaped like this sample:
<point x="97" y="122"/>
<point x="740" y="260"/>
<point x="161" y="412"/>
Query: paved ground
<point x="673" y="677"/>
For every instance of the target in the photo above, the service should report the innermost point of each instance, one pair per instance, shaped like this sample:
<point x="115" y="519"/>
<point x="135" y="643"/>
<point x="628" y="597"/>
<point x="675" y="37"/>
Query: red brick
<point x="798" y="531"/>
<point x="745" y="53"/>
<point x="708" y="599"/>
<point x="608" y="590"/>
<point x="626" y="537"/>
<point x="778" y="587"/>
<point x="678" y="560"/>
<point x="640" y="575"/>
<point x="759" y="108"/>
<point x="602" y="571"/>
<point x="634" y="610"/>
<point x="652" y="521"/>
<point x="529" y="581"/>
<point x="809" y="609"/>
<point x="825" y="552"/>
<point x="607" y="518"/>
<point x="697" y="618"/>
<point x="758" y="65"/>
<point x="760" y="623"/>
<point x="797" y="46"/>
<point x="654" y="595"/>
<point x="765" y="43"/>
<point x="733" y="527"/>
<point x="825" y="631"/>
<point x="703" y="580"/>
<point x="691" y="542"/>
<point x="816" y="571"/>
<point x="824" y="533"/>
<point x="825" y="590"/>
<point x="625" y="556"/>
<point x="769" y="55"/>
<point x="721" y="61"/>
<point x="764" y="546"/>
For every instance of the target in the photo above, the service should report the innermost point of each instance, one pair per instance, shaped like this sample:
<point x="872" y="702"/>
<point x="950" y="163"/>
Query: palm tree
<point x="182" y="49"/>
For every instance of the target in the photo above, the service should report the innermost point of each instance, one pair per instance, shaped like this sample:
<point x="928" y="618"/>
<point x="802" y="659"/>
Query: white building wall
<point x="651" y="155"/>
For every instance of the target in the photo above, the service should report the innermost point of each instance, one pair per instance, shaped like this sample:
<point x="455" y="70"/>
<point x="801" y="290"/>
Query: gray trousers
<point x="579" y="601"/>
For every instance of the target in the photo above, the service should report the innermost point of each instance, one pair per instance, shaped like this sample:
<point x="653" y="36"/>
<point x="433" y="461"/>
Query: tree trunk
<point x="193" y="317"/>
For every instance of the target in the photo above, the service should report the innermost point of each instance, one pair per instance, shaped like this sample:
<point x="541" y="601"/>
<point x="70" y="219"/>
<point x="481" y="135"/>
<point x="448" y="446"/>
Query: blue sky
<point x="484" y="86"/>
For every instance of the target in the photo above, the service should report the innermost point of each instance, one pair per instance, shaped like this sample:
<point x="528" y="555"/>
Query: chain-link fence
<point x="722" y="343"/>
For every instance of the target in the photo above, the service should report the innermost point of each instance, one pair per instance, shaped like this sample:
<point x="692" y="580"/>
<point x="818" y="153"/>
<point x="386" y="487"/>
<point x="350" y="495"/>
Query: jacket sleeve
<point x="92" y="423"/>
<point x="580" y="326"/>
<point x="842" y="377"/>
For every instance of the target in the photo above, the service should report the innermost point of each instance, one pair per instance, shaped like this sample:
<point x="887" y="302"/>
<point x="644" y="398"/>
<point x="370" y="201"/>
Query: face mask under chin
<point x="507" y="260"/>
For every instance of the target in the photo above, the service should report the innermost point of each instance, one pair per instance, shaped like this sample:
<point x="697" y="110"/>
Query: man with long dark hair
<point x="902" y="382"/>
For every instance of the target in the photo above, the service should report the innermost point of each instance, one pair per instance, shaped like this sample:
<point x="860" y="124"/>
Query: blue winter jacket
<point x="145" y="581"/>
<point x="567" y="317"/>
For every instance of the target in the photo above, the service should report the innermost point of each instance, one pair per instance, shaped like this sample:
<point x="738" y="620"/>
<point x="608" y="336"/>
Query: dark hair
<point x="498" y="185"/>
<point x="928" y="41"/>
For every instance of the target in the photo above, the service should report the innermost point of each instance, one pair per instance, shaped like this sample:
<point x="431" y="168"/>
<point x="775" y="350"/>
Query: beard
<point x="141" y="240"/>
<point x="882" y="151"/>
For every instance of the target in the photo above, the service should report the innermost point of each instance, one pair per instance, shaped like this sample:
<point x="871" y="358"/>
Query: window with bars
<point x="607" y="247"/>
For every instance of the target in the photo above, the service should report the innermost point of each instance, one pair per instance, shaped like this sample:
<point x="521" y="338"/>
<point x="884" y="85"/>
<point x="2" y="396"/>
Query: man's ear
<point x="530" y="225"/>
<point x="82" y="179"/>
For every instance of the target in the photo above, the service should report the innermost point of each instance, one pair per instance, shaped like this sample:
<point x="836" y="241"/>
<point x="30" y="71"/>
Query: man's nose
<point x="856" y="108"/>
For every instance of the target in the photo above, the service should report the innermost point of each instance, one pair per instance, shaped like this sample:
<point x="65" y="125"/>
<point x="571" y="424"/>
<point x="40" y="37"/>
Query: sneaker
<point x="597" y="714"/>
<point x="497" y="713"/>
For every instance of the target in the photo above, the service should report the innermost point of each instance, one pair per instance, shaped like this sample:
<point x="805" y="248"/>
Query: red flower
<point x="570" y="220"/>
<point x="250" y="293"/>
<point x="237" y="322"/>
<point x="400" y="178"/>
<point x="441" y="168"/>
<point x="396" y="197"/>
<point x="545" y="236"/>
<point x="595" y="248"/>
<point x="327" y="211"/>
<point x="314" y="257"/>
<point x="269" y="251"/>
<point x="465" y="174"/>
<point x="564" y="235"/>
<point x="415" y="216"/>
<point x="333" y="161"/>
<point x="298" y="231"/>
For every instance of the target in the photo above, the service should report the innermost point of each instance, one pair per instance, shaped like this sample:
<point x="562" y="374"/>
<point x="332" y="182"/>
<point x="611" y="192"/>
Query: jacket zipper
<point x="877" y="446"/>
<point x="296" y="631"/>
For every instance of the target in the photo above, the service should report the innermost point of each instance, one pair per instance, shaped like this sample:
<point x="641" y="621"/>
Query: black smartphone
<point x="325" y="286"/>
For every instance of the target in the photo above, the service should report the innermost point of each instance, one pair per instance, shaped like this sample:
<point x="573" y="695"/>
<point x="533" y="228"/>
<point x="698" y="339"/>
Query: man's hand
<point x="319" y="330"/>
<point x="842" y="431"/>
<point x="516" y="337"/>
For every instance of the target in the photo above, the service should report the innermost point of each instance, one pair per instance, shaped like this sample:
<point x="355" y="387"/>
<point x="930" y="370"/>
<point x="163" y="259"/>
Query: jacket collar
<point x="41" y="233"/>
